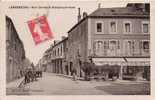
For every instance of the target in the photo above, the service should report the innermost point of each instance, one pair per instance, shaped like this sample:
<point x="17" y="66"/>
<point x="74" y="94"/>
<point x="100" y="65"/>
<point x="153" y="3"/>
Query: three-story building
<point x="113" y="36"/>
<point x="55" y="58"/>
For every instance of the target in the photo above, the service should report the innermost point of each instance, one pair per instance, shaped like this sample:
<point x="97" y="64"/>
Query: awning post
<point x="121" y="72"/>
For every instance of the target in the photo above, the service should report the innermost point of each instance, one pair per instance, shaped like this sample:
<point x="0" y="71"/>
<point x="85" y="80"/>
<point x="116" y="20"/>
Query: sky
<point x="59" y="20"/>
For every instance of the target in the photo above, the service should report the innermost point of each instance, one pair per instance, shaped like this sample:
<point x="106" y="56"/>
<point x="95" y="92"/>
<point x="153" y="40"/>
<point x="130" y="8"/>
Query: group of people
<point x="31" y="75"/>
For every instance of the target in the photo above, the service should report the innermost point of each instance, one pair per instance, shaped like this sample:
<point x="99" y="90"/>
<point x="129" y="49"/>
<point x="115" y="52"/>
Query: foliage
<point x="88" y="69"/>
<point x="92" y="69"/>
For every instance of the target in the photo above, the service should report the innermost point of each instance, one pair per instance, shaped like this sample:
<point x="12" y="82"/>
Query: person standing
<point x="26" y="78"/>
<point x="74" y="74"/>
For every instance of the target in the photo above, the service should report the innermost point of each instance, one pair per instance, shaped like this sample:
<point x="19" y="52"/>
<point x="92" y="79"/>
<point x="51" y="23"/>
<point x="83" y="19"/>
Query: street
<point x="52" y="84"/>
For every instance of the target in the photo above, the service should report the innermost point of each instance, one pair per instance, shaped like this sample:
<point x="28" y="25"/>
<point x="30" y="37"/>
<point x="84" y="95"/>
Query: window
<point x="99" y="27"/>
<point x="98" y="47"/>
<point x="145" y="46"/>
<point x="113" y="45"/>
<point x="128" y="47"/>
<point x="127" y="27"/>
<point x="112" y="48"/>
<point x="145" y="27"/>
<point x="106" y="44"/>
<point x="112" y="27"/>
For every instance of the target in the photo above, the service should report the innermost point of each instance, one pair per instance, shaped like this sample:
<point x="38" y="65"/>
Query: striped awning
<point x="122" y="61"/>
<point x="138" y="61"/>
<point x="109" y="61"/>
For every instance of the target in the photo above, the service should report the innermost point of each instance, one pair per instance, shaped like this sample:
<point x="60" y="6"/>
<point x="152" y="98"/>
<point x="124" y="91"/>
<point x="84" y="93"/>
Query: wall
<point x="15" y="53"/>
<point x="77" y="39"/>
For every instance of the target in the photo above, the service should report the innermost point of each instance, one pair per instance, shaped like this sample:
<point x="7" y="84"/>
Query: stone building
<point x="45" y="62"/>
<point x="55" y="58"/>
<point x="15" y="53"/>
<point x="115" y="37"/>
<point x="59" y="56"/>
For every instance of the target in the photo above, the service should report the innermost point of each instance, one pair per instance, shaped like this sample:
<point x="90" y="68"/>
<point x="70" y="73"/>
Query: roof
<point x="66" y="38"/>
<point x="15" y="31"/>
<point x="49" y="49"/>
<point x="120" y="12"/>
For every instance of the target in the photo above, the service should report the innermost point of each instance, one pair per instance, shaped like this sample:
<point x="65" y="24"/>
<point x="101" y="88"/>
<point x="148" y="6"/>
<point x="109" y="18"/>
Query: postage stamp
<point x="40" y="29"/>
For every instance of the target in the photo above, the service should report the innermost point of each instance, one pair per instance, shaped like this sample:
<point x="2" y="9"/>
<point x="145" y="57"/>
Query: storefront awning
<point x="138" y="61"/>
<point x="109" y="61"/>
<point x="122" y="61"/>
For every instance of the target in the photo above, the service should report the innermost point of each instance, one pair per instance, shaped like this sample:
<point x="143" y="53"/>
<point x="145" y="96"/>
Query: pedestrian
<point x="34" y="75"/>
<point x="40" y="73"/>
<point x="30" y="77"/>
<point x="74" y="74"/>
<point x="26" y="79"/>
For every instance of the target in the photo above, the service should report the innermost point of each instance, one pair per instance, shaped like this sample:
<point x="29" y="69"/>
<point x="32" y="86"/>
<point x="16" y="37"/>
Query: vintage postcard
<point x="77" y="48"/>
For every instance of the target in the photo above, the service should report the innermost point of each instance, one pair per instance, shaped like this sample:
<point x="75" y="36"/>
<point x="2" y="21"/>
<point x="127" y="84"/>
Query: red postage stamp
<point x="40" y="29"/>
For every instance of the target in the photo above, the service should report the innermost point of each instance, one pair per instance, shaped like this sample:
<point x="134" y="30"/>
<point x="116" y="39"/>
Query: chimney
<point x="140" y="6"/>
<point x="147" y="7"/>
<point x="56" y="41"/>
<point x="51" y="45"/>
<point x="99" y="5"/>
<point x="63" y="37"/>
<point x="84" y="14"/>
<point x="79" y="15"/>
<point x="144" y="7"/>
<point x="130" y="5"/>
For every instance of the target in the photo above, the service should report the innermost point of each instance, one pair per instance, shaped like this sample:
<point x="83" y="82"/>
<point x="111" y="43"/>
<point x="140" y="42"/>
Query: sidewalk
<point x="68" y="76"/>
<point x="116" y="81"/>
<point x="14" y="84"/>
<point x="65" y="76"/>
<point x="131" y="82"/>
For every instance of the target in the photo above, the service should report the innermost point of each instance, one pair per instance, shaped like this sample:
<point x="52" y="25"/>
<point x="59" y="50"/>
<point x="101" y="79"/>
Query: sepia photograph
<point x="78" y="48"/>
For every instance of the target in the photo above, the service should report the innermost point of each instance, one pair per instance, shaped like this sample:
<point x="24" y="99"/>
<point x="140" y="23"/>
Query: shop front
<point x="110" y="68"/>
<point x="123" y="68"/>
<point x="137" y="69"/>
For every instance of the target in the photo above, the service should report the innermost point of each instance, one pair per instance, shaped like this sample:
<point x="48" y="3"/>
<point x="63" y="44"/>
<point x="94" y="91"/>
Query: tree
<point x="87" y="67"/>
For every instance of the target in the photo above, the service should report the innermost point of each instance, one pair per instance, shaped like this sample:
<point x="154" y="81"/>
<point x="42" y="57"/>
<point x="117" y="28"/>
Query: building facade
<point x="59" y="57"/>
<point x="15" y="53"/>
<point x="115" y="37"/>
<point x="55" y="58"/>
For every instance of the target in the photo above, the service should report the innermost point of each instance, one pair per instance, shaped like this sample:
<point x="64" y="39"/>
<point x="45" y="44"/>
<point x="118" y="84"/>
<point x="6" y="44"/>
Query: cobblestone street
<point x="52" y="84"/>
